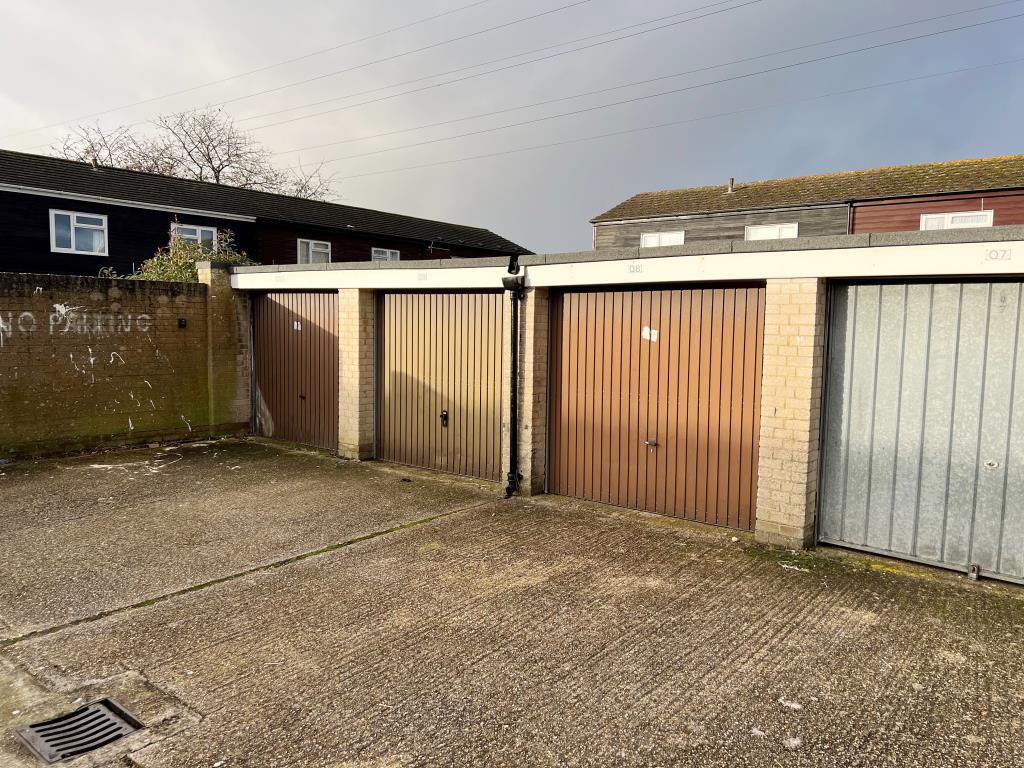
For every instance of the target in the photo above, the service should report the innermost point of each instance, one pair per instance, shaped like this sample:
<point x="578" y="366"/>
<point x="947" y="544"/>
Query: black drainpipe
<point x="514" y="285"/>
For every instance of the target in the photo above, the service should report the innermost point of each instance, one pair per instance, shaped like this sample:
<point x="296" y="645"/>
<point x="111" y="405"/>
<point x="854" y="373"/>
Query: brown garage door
<point x="439" y="383"/>
<point x="296" y="366"/>
<point x="655" y="400"/>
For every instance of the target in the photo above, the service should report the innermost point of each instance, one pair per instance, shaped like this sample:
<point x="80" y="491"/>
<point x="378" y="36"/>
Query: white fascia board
<point x="982" y="259"/>
<point x="431" y="278"/>
<point x="990" y="259"/>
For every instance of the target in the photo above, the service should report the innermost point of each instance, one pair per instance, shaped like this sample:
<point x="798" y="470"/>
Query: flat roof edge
<point x="700" y="248"/>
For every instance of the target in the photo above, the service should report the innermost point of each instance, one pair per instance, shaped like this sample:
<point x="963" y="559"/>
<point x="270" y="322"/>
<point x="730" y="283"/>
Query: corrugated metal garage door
<point x="655" y="400"/>
<point x="924" y="424"/>
<point x="295" y="340"/>
<point x="439" y="382"/>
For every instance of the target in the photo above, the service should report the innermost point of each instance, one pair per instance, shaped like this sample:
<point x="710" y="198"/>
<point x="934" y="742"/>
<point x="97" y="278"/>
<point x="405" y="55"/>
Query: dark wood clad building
<point x="957" y="194"/>
<point x="66" y="217"/>
<point x="811" y="222"/>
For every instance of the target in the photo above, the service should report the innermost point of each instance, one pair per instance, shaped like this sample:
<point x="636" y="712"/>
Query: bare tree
<point x="90" y="143"/>
<point x="204" y="145"/>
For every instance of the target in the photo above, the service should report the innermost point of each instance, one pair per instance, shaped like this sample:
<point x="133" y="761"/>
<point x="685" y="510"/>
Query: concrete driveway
<point x="263" y="608"/>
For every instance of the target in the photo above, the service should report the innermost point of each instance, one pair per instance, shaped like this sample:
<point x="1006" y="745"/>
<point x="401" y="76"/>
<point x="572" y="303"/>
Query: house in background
<point x="65" y="217"/>
<point x="966" y="193"/>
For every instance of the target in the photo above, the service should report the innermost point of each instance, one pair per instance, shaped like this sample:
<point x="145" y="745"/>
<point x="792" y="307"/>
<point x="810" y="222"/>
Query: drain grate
<point x="87" y="728"/>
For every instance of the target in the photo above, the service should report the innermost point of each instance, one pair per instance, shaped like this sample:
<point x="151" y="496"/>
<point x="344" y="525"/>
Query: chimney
<point x="92" y="162"/>
<point x="732" y="186"/>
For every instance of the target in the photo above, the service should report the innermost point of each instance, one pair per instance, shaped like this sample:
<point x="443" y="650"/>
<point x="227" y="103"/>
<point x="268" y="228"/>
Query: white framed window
<point x="72" y="232"/>
<point x="205" y="236"/>
<point x="958" y="220"/>
<point x="385" y="254"/>
<point x="654" y="239"/>
<point x="770" y="231"/>
<point x="314" y="252"/>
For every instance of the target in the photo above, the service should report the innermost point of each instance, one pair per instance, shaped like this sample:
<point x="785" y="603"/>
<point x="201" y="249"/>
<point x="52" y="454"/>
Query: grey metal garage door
<point x="924" y="424"/>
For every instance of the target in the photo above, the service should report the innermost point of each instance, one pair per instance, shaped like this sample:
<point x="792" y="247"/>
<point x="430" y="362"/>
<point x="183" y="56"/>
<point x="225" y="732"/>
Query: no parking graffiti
<point x="72" y="320"/>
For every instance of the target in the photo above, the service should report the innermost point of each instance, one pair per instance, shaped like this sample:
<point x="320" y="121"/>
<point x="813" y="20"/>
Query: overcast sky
<point x="65" y="60"/>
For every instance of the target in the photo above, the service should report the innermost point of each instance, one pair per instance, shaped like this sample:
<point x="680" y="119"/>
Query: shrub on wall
<point x="177" y="262"/>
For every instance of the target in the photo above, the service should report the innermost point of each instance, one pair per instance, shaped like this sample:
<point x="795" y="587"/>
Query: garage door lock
<point x="444" y="418"/>
<point x="651" y="443"/>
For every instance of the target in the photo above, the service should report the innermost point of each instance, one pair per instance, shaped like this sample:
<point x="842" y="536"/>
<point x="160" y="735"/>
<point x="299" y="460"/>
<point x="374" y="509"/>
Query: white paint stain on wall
<point x="64" y="310"/>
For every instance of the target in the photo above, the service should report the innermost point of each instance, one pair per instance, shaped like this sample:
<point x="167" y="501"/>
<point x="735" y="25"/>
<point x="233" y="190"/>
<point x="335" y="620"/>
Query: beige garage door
<point x="439" y="384"/>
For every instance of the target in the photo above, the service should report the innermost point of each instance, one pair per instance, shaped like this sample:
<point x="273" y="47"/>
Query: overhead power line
<point x="674" y="91"/>
<point x="674" y="123"/>
<point x="499" y="69"/>
<point x="481" y="64"/>
<point x="248" y="72"/>
<point x="635" y="83"/>
<point x="410" y="52"/>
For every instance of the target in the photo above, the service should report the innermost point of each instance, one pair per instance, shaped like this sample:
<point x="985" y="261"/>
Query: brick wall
<point x="533" y="393"/>
<point x="88" y="362"/>
<point x="357" y="383"/>
<point x="229" y="351"/>
<point x="787" y="478"/>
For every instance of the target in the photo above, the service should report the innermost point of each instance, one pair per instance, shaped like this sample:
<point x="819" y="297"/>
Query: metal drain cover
<point x="87" y="728"/>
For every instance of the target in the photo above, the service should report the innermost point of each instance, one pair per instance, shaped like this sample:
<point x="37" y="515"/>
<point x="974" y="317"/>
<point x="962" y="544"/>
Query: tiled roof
<point x="989" y="173"/>
<point x="71" y="177"/>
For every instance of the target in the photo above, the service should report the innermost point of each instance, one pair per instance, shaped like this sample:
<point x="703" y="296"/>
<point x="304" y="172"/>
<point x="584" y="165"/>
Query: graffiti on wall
<point x="65" y="319"/>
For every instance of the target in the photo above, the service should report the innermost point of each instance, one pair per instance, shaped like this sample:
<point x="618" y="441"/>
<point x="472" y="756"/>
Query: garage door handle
<point x="444" y="418"/>
<point x="651" y="443"/>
